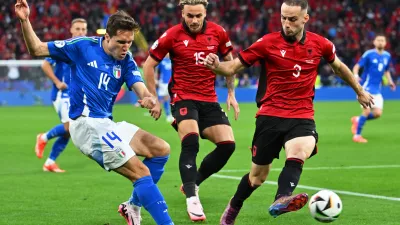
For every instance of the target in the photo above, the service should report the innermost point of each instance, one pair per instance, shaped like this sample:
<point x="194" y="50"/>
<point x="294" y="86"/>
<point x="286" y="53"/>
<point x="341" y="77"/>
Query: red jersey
<point x="288" y="74"/>
<point x="190" y="78"/>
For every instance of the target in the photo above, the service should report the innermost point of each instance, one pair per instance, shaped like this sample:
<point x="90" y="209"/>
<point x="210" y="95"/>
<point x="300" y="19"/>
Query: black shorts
<point x="206" y="114"/>
<point x="273" y="132"/>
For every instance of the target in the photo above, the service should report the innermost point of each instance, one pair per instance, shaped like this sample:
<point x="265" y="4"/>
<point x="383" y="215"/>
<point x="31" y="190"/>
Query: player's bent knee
<point x="140" y="170"/>
<point x="257" y="180"/>
<point x="299" y="153"/>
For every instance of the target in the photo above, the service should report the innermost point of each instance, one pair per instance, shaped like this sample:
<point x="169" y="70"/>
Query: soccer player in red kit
<point x="193" y="97"/>
<point x="289" y="60"/>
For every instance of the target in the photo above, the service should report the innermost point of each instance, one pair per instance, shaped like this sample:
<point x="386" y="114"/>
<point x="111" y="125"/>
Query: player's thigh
<point x="301" y="139"/>
<point x="103" y="140"/>
<point x="148" y="145"/>
<point x="214" y="123"/>
<point x="219" y="133"/>
<point x="300" y="147"/>
<point x="186" y="117"/>
<point x="258" y="174"/>
<point x="133" y="169"/>
<point x="267" y="140"/>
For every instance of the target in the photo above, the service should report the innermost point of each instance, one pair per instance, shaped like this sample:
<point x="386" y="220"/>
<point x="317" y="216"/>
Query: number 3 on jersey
<point x="199" y="58"/>
<point x="298" y="70"/>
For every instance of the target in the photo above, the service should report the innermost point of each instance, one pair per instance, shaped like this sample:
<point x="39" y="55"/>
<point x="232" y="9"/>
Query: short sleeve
<point x="328" y="50"/>
<point x="363" y="59"/>
<point x="225" y="45"/>
<point x="50" y="60"/>
<point x="387" y="66"/>
<point x="131" y="72"/>
<point x="65" y="50"/>
<point x="161" y="47"/>
<point x="254" y="53"/>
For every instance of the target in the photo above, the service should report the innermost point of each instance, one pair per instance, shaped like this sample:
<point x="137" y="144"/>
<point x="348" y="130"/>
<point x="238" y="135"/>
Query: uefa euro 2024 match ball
<point x="325" y="206"/>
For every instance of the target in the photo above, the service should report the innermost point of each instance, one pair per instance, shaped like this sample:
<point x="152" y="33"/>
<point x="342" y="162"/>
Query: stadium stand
<point x="350" y="24"/>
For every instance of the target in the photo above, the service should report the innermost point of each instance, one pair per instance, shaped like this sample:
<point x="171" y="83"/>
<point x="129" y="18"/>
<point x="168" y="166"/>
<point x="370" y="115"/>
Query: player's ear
<point x="107" y="37"/>
<point x="306" y="18"/>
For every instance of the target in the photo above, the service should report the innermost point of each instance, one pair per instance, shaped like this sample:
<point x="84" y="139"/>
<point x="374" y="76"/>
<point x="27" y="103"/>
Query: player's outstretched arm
<point x="48" y="70"/>
<point x="356" y="70"/>
<point x="344" y="72"/>
<point x="390" y="80"/>
<point x="147" y="100"/>
<point x="35" y="46"/>
<point x="230" y="83"/>
<point x="149" y="76"/>
<point x="228" y="68"/>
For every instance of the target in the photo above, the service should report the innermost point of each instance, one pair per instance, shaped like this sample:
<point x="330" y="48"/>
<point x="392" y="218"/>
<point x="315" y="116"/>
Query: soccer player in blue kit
<point x="165" y="71"/>
<point x="99" y="67"/>
<point x="376" y="64"/>
<point x="60" y="98"/>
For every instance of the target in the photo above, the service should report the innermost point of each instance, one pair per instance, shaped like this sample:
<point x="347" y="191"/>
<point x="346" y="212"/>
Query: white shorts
<point x="378" y="101"/>
<point x="163" y="89"/>
<point x="61" y="105"/>
<point x="103" y="140"/>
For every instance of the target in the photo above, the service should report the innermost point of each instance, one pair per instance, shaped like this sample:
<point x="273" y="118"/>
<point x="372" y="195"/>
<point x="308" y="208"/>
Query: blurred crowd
<point x="350" y="24"/>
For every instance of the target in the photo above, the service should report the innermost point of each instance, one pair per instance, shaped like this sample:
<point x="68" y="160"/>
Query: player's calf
<point x="215" y="161"/>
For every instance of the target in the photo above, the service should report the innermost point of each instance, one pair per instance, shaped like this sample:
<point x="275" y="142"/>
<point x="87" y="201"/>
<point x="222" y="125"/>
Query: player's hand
<point x="231" y="101"/>
<point x="22" y="9"/>
<point x="365" y="99"/>
<point x="156" y="111"/>
<point x="61" y="86"/>
<point x="212" y="61"/>
<point x="147" y="102"/>
<point x="392" y="86"/>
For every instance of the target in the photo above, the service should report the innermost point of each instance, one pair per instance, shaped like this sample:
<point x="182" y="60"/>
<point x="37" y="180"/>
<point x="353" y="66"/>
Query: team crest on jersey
<point x="117" y="71"/>
<point x="309" y="51"/>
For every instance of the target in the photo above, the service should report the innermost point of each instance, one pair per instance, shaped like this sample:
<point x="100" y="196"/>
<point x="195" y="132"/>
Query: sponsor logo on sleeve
<point x="59" y="44"/>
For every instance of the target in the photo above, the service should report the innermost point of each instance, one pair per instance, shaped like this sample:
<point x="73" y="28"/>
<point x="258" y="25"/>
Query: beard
<point x="289" y="38"/>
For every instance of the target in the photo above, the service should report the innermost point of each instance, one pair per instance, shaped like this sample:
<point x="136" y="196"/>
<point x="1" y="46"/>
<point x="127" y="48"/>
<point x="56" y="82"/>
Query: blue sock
<point x="370" y="116"/>
<point x="156" y="167"/>
<point x="56" y="131"/>
<point x="361" y="121"/>
<point x="59" y="145"/>
<point x="166" y="108"/>
<point x="152" y="200"/>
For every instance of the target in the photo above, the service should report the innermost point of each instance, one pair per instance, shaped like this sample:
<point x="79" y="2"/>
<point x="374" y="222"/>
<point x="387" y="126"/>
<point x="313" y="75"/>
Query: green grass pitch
<point x="87" y="195"/>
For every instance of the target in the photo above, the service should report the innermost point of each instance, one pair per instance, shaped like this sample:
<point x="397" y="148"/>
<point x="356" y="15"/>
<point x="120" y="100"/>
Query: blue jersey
<point x="96" y="77"/>
<point x="62" y="72"/>
<point x="165" y="70"/>
<point x="375" y="65"/>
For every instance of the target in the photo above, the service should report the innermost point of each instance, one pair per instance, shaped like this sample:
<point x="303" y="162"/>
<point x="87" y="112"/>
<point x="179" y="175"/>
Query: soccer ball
<point x="325" y="206"/>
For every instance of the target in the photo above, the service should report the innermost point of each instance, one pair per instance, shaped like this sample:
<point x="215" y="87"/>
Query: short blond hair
<point x="78" y="20"/>
<point x="182" y="3"/>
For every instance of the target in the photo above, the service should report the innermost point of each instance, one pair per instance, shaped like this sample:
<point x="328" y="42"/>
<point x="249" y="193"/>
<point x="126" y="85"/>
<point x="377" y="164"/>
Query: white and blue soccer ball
<point x="325" y="206"/>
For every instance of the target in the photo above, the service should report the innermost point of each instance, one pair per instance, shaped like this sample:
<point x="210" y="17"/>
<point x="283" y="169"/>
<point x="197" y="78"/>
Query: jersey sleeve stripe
<point x="243" y="61"/>
<point x="154" y="57"/>
<point x="82" y="39"/>
<point x="227" y="52"/>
